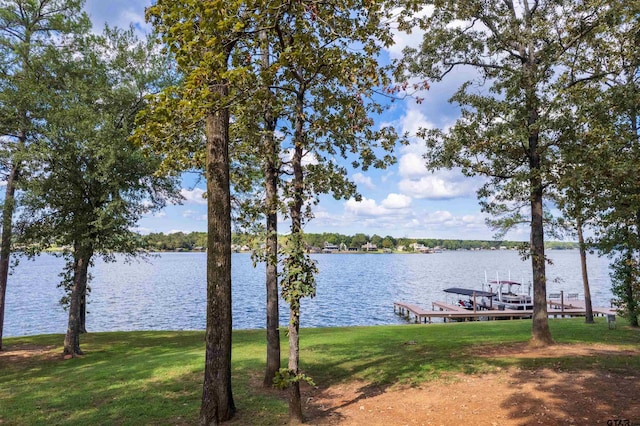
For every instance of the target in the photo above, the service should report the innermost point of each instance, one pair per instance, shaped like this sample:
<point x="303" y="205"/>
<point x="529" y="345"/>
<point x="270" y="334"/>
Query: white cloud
<point x="420" y="182"/>
<point x="412" y="165"/>
<point x="398" y="216"/>
<point x="441" y="217"/>
<point x="193" y="196"/>
<point x="396" y="201"/>
<point x="119" y="13"/>
<point x="454" y="226"/>
<point x="402" y="39"/>
<point x="393" y="206"/>
<point x="175" y="231"/>
<point x="363" y="180"/>
<point x="440" y="185"/>
<point x="384" y="178"/>
<point x="193" y="215"/>
<point x="286" y="156"/>
<point x="414" y="119"/>
<point x="365" y="207"/>
<point x="141" y="230"/>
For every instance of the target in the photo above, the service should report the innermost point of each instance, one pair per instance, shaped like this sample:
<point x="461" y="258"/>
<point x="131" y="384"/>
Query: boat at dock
<point x="501" y="295"/>
<point x="507" y="295"/>
<point x="479" y="298"/>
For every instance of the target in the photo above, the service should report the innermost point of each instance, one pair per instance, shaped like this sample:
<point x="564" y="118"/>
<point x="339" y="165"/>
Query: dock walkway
<point x="571" y="303"/>
<point x="447" y="311"/>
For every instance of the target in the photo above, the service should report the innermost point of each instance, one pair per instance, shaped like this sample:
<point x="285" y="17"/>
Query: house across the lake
<point x="330" y="248"/>
<point x="369" y="247"/>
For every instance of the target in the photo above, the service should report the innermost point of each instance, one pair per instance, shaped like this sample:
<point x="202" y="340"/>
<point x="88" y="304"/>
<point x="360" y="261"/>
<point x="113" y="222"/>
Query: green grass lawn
<point x="156" y="377"/>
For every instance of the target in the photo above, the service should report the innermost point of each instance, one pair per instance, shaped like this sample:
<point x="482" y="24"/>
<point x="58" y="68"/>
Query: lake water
<point x="167" y="292"/>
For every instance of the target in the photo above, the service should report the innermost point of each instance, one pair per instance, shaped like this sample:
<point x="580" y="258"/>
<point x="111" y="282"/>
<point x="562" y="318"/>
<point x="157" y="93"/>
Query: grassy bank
<point x="155" y="377"/>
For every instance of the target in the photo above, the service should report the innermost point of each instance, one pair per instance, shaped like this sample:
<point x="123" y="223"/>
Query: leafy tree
<point x="511" y="109"/>
<point x="256" y="178"/>
<point x="619" y="235"/>
<point x="359" y="240"/>
<point x="189" y="124"/>
<point x="327" y="89"/>
<point x="29" y="32"/>
<point x="598" y="185"/>
<point x="388" y="242"/>
<point x="92" y="184"/>
<point x="335" y="106"/>
<point x="271" y="170"/>
<point x="572" y="188"/>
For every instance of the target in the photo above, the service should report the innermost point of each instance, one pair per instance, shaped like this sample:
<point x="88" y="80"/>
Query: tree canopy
<point x="90" y="184"/>
<point x="512" y="110"/>
<point x="31" y="33"/>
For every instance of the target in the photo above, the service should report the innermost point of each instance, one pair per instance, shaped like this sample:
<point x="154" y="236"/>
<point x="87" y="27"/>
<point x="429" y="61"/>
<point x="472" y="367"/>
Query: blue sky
<point x="405" y="200"/>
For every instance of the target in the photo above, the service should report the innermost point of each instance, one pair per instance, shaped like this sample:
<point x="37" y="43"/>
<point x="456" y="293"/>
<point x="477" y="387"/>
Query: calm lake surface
<point x="167" y="292"/>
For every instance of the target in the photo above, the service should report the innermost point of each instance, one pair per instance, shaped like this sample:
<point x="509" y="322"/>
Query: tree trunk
<point x="540" y="333"/>
<point x="82" y="257"/>
<point x="629" y="281"/>
<point x="83" y="312"/>
<point x="271" y="149"/>
<point x="588" y="317"/>
<point x="273" y="332"/>
<point x="217" y="399"/>
<point x="5" y="245"/>
<point x="295" y="403"/>
<point x="631" y="302"/>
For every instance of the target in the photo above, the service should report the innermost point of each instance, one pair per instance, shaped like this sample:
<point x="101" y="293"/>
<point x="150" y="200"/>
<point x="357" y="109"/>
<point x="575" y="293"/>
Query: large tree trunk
<point x="82" y="256"/>
<point x="217" y="399"/>
<point x="540" y="333"/>
<point x="588" y="317"/>
<point x="271" y="150"/>
<point x="5" y="245"/>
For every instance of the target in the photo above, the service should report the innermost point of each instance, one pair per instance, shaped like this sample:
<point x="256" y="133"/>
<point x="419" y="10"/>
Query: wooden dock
<point x="571" y="301"/>
<point x="417" y="314"/>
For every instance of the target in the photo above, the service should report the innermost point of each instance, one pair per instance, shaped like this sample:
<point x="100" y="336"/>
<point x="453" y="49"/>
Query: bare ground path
<point x="510" y="396"/>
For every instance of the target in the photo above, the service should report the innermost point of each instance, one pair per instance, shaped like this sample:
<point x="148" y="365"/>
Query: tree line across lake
<point x="195" y="241"/>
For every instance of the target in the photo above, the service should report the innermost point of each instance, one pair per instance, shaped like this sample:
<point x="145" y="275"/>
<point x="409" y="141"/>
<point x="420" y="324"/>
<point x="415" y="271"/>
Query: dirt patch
<point x="27" y="353"/>
<point x="523" y="350"/>
<point x="510" y="396"/>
